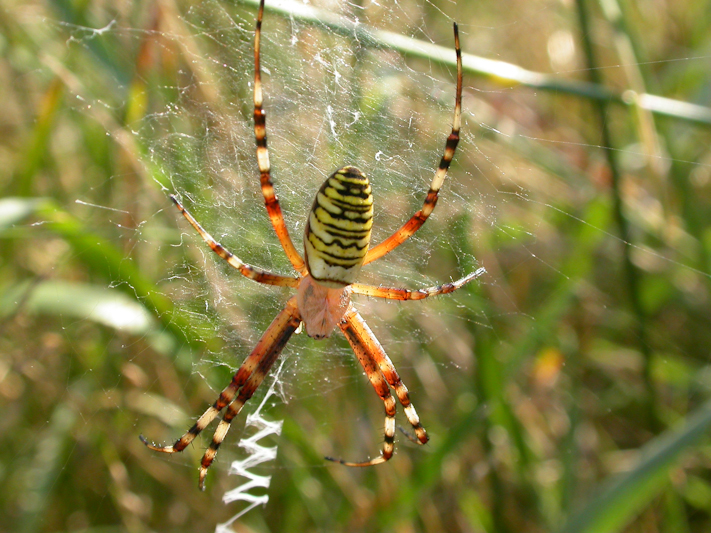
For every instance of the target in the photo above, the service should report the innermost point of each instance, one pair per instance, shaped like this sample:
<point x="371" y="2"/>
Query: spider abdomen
<point x="337" y="235"/>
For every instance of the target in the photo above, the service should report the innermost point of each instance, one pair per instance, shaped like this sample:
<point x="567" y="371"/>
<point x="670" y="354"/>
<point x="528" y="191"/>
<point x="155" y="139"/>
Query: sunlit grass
<point x="565" y="391"/>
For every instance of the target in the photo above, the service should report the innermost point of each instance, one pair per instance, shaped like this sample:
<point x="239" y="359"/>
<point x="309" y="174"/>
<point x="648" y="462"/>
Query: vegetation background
<point x="566" y="390"/>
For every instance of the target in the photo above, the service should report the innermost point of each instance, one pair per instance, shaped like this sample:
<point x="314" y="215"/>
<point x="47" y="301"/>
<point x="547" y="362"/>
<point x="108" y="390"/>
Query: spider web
<point x="321" y="89"/>
<point x="331" y="100"/>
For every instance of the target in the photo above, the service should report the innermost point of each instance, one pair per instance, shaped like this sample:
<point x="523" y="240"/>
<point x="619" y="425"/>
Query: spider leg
<point x="248" y="271"/>
<point x="260" y="133"/>
<point x="356" y="324"/>
<point x="365" y="357"/>
<point x="381" y="373"/>
<point x="414" y="294"/>
<point x="248" y="377"/>
<point x="419" y="218"/>
<point x="245" y="393"/>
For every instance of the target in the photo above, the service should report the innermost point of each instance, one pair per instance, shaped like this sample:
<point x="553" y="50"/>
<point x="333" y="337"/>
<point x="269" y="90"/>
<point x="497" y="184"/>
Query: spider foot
<point x="157" y="447"/>
<point x="420" y="437"/>
<point x="201" y="478"/>
<point x="410" y="436"/>
<point x="372" y="462"/>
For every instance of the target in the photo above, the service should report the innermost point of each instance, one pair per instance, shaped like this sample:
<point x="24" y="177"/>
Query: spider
<point x="336" y="246"/>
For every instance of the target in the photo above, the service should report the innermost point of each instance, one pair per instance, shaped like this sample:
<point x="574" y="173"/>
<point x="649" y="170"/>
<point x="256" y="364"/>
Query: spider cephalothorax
<point x="336" y="246"/>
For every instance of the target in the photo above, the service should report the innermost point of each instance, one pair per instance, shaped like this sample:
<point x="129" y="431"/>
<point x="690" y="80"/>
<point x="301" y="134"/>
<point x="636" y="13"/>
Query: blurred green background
<point x="566" y="390"/>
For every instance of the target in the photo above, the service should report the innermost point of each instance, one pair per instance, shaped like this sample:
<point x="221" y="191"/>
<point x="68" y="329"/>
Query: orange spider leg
<point x="248" y="271"/>
<point x="248" y="377"/>
<point x="260" y="133"/>
<point x="419" y="218"/>
<point x="381" y="373"/>
<point x="414" y="294"/>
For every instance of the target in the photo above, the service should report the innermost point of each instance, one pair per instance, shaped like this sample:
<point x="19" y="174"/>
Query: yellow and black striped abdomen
<point x="338" y="231"/>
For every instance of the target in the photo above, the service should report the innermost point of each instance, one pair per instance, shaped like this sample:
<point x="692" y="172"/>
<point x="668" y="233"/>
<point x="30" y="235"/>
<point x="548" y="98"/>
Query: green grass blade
<point x="498" y="71"/>
<point x="103" y="259"/>
<point x="626" y="495"/>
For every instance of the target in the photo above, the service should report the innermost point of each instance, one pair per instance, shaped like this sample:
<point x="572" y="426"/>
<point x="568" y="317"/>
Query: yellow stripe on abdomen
<point x="338" y="231"/>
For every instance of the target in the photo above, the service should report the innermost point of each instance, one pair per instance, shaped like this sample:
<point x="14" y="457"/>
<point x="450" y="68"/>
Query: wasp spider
<point x="336" y="246"/>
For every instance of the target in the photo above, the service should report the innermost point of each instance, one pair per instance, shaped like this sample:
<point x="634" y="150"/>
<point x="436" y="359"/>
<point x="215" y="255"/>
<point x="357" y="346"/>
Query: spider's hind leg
<point x="246" y="392"/>
<point x="226" y="396"/>
<point x="358" y="327"/>
<point x="247" y="379"/>
<point x="381" y="387"/>
<point x="381" y="373"/>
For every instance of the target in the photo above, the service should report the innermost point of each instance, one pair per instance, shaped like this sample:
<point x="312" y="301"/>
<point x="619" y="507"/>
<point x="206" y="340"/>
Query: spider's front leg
<point x="418" y="219"/>
<point x="247" y="379"/>
<point x="381" y="373"/>
<point x="254" y="273"/>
